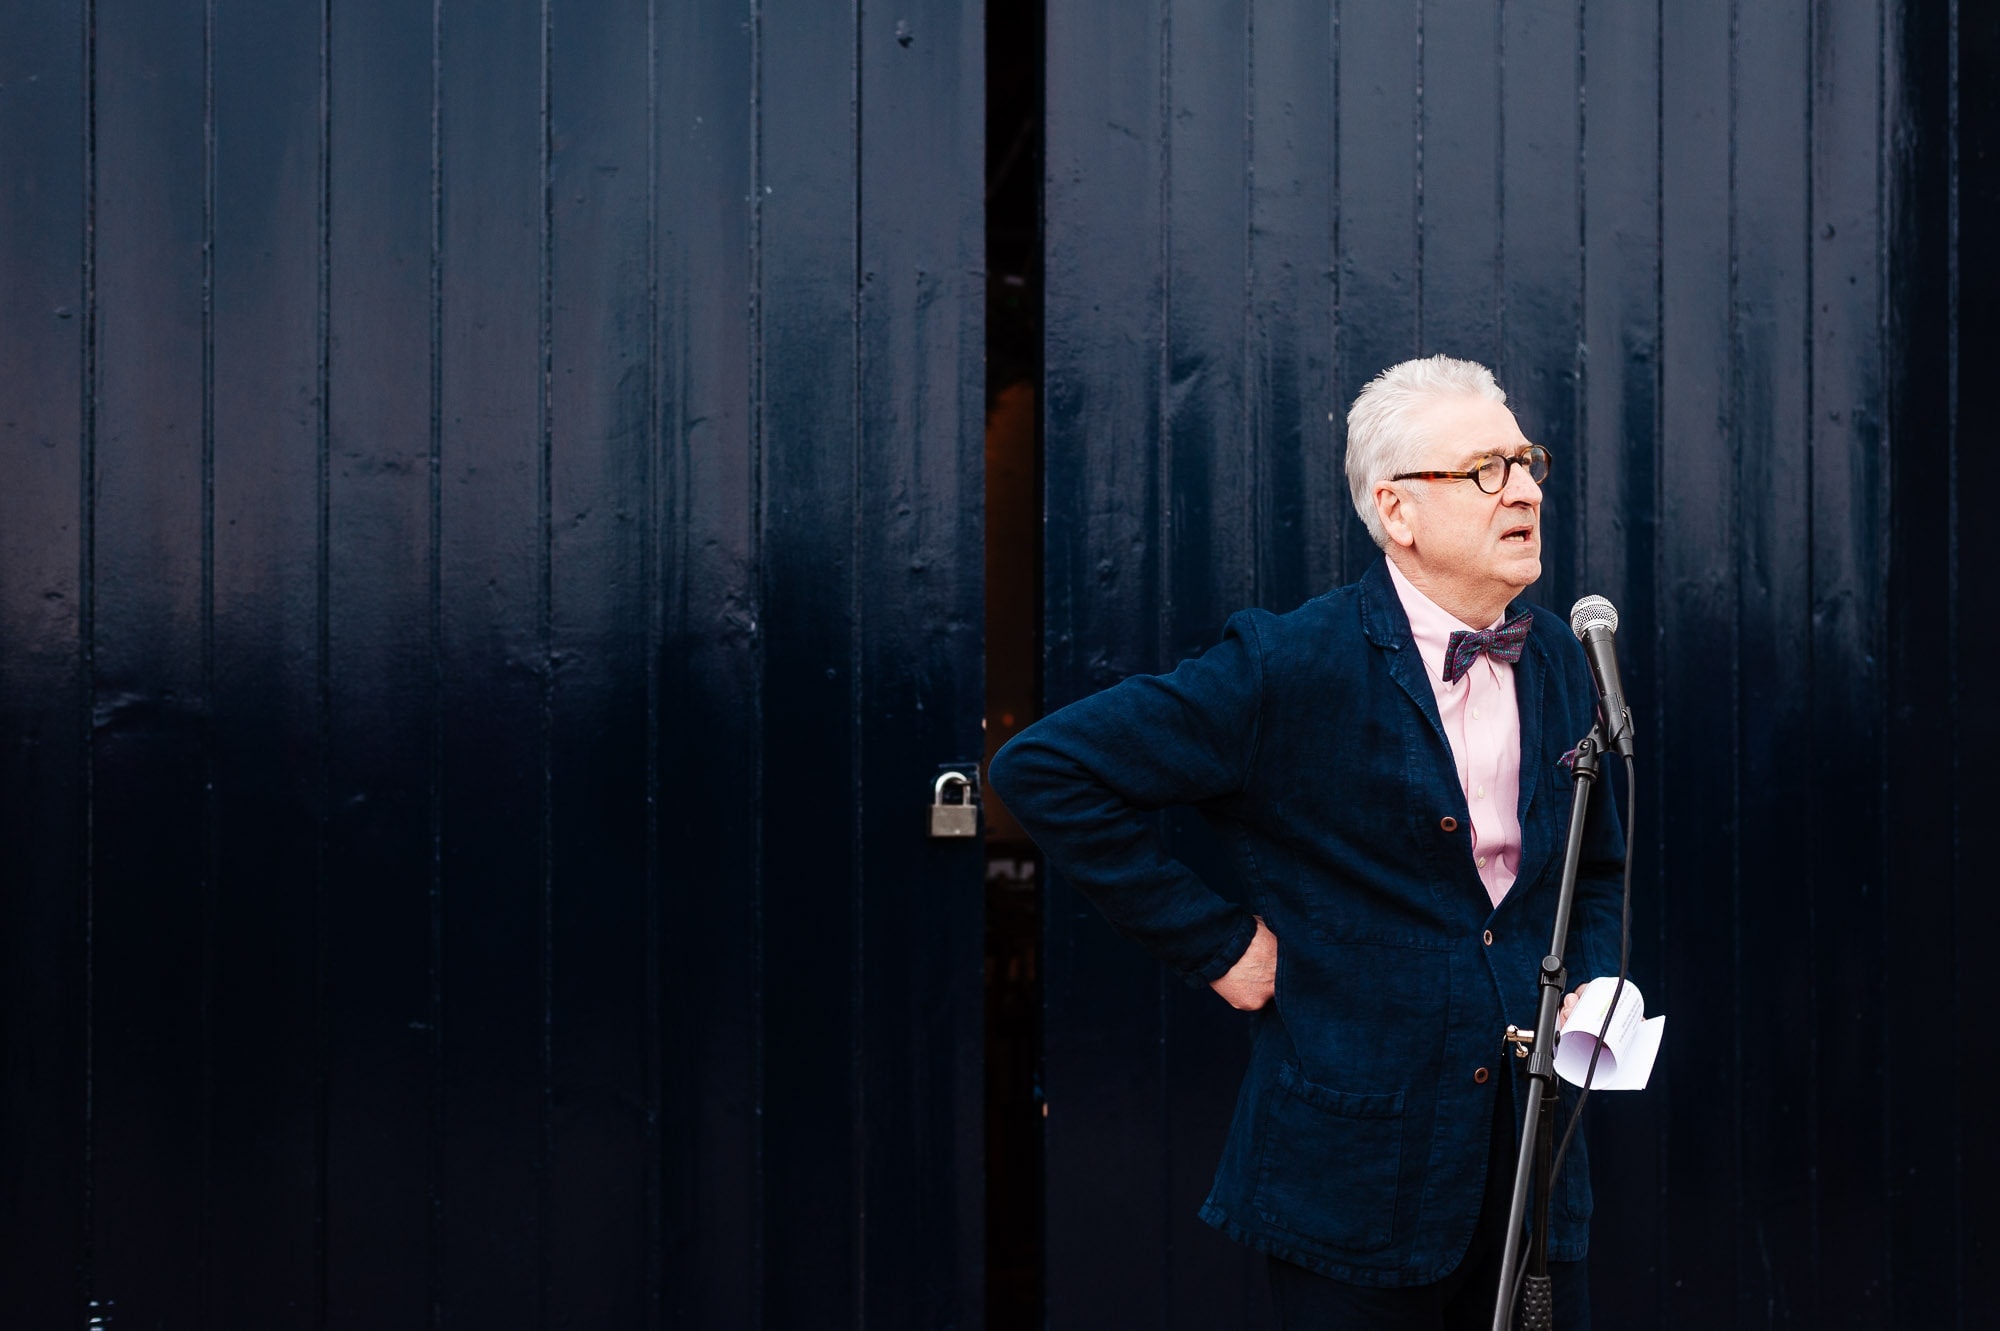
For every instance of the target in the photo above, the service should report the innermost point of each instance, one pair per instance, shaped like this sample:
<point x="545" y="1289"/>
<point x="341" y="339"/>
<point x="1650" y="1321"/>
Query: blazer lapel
<point x="1387" y="625"/>
<point x="1530" y="684"/>
<point x="1538" y="827"/>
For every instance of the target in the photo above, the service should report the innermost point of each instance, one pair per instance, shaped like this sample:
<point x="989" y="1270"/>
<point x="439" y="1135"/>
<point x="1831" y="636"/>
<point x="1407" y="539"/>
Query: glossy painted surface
<point x="1712" y="251"/>
<point x="489" y="567"/>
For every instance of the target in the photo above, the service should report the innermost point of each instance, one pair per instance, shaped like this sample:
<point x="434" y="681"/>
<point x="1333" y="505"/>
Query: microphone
<point x="1594" y="620"/>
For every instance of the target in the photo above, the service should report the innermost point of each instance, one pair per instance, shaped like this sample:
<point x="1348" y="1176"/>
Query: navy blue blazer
<point x="1311" y="741"/>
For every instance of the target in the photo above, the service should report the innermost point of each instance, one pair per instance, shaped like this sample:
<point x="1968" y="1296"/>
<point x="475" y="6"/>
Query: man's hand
<point x="1569" y="1004"/>
<point x="1253" y="980"/>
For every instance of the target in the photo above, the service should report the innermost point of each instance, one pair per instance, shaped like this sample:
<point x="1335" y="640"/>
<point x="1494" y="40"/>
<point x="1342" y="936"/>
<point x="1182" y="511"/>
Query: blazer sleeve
<point x="1086" y="782"/>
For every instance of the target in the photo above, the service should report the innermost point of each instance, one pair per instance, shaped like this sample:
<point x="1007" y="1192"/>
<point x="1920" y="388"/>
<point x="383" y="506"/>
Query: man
<point x="1388" y="762"/>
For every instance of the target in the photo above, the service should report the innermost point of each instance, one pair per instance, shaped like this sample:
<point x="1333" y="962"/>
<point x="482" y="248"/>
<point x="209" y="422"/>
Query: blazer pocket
<point x="1330" y="1163"/>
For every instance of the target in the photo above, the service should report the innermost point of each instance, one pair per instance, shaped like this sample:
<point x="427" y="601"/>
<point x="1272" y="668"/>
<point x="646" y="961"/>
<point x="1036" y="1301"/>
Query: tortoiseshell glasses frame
<point x="1489" y="470"/>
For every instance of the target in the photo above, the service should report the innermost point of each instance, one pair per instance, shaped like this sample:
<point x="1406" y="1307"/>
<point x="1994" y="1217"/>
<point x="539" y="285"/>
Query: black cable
<point x="1624" y="958"/>
<point x="1617" y="992"/>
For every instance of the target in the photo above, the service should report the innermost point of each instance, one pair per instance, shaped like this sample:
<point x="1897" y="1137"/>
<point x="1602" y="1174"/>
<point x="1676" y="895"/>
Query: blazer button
<point x="1448" y="823"/>
<point x="1481" y="1075"/>
<point x="1488" y="936"/>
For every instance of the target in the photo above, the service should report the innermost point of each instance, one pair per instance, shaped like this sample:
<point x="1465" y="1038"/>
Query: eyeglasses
<point x="1489" y="470"/>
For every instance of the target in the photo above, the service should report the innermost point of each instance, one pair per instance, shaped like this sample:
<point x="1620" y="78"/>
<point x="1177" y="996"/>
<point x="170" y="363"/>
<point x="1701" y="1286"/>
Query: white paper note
<point x="1630" y="1046"/>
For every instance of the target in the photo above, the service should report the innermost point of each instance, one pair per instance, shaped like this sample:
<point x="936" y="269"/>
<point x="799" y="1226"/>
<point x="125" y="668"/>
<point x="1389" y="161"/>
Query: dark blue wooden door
<point x="1713" y="253"/>
<point x="489" y="569"/>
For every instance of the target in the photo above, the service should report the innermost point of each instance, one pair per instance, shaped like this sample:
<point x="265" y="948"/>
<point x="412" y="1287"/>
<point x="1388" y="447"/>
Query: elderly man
<point x="1387" y="762"/>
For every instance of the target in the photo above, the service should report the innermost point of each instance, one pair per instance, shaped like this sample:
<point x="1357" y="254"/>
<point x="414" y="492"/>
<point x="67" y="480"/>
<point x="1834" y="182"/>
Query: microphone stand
<point x="1538" y="1130"/>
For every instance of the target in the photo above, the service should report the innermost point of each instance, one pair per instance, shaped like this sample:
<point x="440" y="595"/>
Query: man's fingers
<point x="1245" y="993"/>
<point x="1251" y="983"/>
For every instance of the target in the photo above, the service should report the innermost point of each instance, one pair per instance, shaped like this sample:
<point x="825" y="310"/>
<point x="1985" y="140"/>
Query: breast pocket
<point x="1329" y="1163"/>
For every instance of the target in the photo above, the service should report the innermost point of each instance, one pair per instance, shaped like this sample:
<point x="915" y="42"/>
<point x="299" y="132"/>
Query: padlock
<point x="954" y="820"/>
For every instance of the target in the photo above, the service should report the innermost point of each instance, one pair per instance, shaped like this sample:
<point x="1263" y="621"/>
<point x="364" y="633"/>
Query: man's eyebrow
<point x="1470" y="458"/>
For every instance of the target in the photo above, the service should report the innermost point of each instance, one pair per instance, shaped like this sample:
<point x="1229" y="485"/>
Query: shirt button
<point x="1475" y="713"/>
<point x="1480" y="1075"/>
<point x="1448" y="823"/>
<point x="1482" y="861"/>
<point x="1488" y="936"/>
<point x="1482" y="792"/>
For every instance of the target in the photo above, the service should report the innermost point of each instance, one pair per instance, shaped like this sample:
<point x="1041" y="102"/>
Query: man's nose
<point x="1520" y="487"/>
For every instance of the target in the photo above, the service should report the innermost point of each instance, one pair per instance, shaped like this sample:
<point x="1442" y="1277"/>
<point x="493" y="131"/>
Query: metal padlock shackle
<point x="954" y="820"/>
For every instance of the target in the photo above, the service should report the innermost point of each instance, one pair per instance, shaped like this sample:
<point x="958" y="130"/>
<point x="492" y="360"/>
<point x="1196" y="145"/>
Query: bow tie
<point x="1504" y="643"/>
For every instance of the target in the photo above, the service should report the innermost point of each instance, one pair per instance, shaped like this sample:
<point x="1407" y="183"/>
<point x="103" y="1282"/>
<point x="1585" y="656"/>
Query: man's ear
<point x="1393" y="507"/>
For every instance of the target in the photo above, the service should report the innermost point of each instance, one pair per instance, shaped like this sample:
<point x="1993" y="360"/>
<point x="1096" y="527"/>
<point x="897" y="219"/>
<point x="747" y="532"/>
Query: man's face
<point x="1458" y="535"/>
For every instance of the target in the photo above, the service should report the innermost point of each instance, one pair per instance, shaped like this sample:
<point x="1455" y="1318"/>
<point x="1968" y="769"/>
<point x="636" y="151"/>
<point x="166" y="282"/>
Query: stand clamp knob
<point x="1521" y="1040"/>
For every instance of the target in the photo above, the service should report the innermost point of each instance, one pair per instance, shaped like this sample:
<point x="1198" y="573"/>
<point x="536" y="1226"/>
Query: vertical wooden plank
<point x="494" y="667"/>
<point x="1295" y="405"/>
<point x="1211" y="499"/>
<point x="708" y="704"/>
<point x="1621" y="310"/>
<point x="1377" y="255"/>
<point x="1698" y="625"/>
<point x="1976" y="104"/>
<point x="1923" y="1063"/>
<point x="919" y="567"/>
<point x="809" y="248"/>
<point x="1619" y="455"/>
<point x="264" y="1160"/>
<point x="1847" y="859"/>
<point x="1107" y="1204"/>
<point x="1458" y="296"/>
<point x="149" y="951"/>
<point x="382" y="1019"/>
<point x="1210" y="541"/>
<point x="1541" y="271"/>
<point x="602" y="417"/>
<point x="1768" y="406"/>
<point x="43" y="681"/>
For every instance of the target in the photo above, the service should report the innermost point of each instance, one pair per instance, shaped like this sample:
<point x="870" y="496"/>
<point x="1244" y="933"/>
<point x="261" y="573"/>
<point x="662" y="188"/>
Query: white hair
<point x="1382" y="434"/>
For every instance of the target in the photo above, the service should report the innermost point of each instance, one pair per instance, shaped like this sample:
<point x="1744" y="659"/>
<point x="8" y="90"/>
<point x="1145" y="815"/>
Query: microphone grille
<point x="1590" y="612"/>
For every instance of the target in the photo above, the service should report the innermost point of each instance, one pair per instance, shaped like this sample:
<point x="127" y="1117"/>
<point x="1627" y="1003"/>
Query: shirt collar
<point x="1431" y="625"/>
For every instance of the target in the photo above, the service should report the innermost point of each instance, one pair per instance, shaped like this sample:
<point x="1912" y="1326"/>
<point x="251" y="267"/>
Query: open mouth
<point x="1521" y="534"/>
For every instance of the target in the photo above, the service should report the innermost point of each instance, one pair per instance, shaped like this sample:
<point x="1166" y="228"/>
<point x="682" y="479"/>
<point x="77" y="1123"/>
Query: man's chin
<point x="1521" y="574"/>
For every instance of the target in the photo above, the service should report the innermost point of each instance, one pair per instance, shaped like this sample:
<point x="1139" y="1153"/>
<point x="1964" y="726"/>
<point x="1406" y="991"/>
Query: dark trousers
<point x="1463" y="1300"/>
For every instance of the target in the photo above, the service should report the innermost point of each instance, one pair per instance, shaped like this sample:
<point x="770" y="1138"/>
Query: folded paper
<point x="1630" y="1045"/>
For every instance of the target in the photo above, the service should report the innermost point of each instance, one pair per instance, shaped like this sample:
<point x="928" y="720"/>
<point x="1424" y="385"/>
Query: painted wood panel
<point x="1713" y="251"/>
<point x="491" y="564"/>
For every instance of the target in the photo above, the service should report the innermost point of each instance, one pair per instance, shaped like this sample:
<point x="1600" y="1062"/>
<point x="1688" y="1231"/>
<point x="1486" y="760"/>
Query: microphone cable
<point x="1617" y="992"/>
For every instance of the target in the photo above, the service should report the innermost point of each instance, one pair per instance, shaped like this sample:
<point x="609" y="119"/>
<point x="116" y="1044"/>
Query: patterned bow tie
<point x="1504" y="643"/>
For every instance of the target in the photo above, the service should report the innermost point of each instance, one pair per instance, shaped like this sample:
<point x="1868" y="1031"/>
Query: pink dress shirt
<point x="1483" y="722"/>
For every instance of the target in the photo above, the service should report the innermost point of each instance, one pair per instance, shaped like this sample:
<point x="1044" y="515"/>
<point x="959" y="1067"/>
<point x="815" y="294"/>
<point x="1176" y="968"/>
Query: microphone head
<point x="1591" y="612"/>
